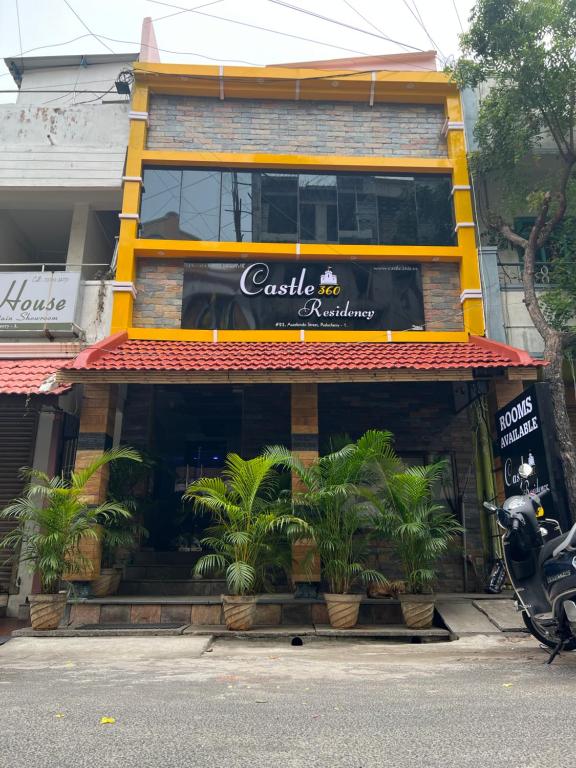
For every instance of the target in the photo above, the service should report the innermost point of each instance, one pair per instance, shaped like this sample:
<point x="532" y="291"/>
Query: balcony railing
<point x="546" y="275"/>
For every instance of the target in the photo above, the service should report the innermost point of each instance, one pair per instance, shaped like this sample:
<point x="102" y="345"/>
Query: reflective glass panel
<point x="238" y="194"/>
<point x="357" y="210"/>
<point x="160" y="209"/>
<point x="200" y="205"/>
<point x="434" y="210"/>
<point x="318" y="208"/>
<point x="279" y="208"/>
<point x="396" y="210"/>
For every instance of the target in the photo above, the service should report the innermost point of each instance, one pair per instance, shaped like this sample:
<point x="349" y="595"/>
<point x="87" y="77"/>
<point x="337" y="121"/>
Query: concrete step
<point x="503" y="614"/>
<point x="164" y="587"/>
<point x="151" y="557"/>
<point x="167" y="571"/>
<point x="462" y="618"/>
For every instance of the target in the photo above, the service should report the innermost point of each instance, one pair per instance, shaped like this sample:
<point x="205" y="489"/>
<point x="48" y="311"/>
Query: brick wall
<point x="324" y="128"/>
<point x="159" y="300"/>
<point x="441" y="287"/>
<point x="421" y="417"/>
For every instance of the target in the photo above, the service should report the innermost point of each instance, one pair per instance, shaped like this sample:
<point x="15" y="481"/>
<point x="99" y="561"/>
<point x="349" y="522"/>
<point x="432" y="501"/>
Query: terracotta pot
<point x="46" y="611"/>
<point x="90" y="547"/>
<point x="418" y="611"/>
<point x="107" y="583"/>
<point x="343" y="610"/>
<point x="239" y="611"/>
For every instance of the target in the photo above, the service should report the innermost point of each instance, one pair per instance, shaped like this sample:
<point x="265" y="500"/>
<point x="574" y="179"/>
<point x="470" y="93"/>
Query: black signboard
<point x="525" y="435"/>
<point x="349" y="295"/>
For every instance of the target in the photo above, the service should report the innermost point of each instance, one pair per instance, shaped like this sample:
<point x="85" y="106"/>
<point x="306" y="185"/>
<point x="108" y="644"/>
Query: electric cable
<point x="458" y="16"/>
<point x="87" y="28"/>
<point x="380" y="36"/>
<point x="363" y="17"/>
<point x="416" y="14"/>
<point x="260" y="28"/>
<point x="19" y="28"/>
<point x="186" y="10"/>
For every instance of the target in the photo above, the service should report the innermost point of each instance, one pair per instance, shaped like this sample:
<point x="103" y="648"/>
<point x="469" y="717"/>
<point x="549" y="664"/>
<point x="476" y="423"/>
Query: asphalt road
<point x="477" y="702"/>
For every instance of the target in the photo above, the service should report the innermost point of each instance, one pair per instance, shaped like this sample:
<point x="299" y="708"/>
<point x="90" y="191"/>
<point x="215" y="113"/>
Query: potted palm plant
<point x="118" y="534"/>
<point x="420" y="531"/>
<point x="247" y="515"/>
<point x="52" y="519"/>
<point x="332" y="503"/>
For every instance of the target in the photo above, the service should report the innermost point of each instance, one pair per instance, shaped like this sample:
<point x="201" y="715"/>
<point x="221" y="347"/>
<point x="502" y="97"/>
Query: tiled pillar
<point x="97" y="420"/>
<point x="304" y="429"/>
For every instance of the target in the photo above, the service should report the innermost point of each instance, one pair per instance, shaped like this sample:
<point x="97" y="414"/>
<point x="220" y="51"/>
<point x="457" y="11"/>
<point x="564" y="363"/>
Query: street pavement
<point x="180" y="701"/>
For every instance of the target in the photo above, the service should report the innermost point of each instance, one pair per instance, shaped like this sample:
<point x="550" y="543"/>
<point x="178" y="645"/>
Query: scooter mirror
<point x="525" y="470"/>
<point x="490" y="507"/>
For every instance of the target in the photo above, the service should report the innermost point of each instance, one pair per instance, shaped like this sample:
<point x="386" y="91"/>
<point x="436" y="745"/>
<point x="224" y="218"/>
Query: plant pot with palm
<point x="247" y="517"/>
<point x="52" y="519"/>
<point x="120" y="534"/>
<point x="420" y="531"/>
<point x="332" y="503"/>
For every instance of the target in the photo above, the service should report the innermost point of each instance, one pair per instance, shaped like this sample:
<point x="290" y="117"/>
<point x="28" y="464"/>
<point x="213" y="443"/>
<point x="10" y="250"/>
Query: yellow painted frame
<point x="279" y="83"/>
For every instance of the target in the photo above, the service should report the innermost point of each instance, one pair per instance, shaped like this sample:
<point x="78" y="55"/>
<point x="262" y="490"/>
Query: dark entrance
<point x="187" y="430"/>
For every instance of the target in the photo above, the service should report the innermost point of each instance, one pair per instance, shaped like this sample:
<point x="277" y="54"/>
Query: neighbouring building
<point x="62" y="154"/>
<point x="297" y="262"/>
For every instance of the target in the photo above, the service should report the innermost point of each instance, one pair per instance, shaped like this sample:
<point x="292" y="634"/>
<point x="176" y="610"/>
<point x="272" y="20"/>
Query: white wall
<point x="95" y="314"/>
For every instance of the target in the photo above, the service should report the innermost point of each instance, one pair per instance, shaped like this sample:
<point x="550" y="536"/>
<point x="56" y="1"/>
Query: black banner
<point x="351" y="295"/>
<point x="525" y="434"/>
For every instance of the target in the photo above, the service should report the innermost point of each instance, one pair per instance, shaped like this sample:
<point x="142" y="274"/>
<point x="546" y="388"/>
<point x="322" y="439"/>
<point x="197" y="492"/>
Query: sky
<point x="208" y="34"/>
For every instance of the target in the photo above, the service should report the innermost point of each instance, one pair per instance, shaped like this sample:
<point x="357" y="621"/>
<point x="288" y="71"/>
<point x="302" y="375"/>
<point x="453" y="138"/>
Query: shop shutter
<point x="18" y="426"/>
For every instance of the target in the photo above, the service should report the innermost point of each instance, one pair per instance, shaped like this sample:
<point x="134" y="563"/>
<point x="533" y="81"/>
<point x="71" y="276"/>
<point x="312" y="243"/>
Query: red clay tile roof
<point x="24" y="377"/>
<point x="119" y="354"/>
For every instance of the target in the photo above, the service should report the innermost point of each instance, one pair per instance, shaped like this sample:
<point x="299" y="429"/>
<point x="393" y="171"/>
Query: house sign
<point x="352" y="295"/>
<point x="31" y="301"/>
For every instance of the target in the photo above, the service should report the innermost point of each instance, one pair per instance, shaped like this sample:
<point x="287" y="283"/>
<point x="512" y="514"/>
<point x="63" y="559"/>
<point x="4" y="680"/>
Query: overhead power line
<point x="87" y="28"/>
<point x="260" y="28"/>
<point x="458" y="16"/>
<point x="186" y="10"/>
<point x="380" y="36"/>
<point x="19" y="29"/>
<point x="416" y="14"/>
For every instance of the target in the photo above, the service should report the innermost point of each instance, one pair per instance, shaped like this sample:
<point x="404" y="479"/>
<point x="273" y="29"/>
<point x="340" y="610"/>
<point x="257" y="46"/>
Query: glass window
<point x="160" y="210"/>
<point x="357" y="210"/>
<point x="434" y="210"/>
<point x="279" y="208"/>
<point x="236" y="211"/>
<point x="318" y="208"/>
<point x="200" y="205"/>
<point x="396" y="210"/>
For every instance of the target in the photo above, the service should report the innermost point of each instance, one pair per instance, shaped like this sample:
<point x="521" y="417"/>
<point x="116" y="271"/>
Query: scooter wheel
<point x="550" y="641"/>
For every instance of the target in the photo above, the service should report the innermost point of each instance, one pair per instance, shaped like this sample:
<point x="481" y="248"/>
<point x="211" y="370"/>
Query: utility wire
<point x="19" y="29"/>
<point x="356" y="11"/>
<point x="260" y="28"/>
<point x="87" y="28"/>
<point x="458" y="16"/>
<point x="186" y="10"/>
<point x="380" y="36"/>
<point x="416" y="14"/>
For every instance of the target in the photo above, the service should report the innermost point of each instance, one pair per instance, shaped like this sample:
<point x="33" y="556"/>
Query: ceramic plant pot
<point x="239" y="611"/>
<point x="46" y="611"/>
<point x="107" y="583"/>
<point x="418" y="610"/>
<point x="343" y="610"/>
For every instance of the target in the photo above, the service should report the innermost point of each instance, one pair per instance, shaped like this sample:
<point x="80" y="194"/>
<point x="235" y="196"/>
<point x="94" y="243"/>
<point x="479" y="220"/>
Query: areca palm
<point x="247" y="516"/>
<point x="53" y="515"/>
<point x="419" y="529"/>
<point x="331" y="500"/>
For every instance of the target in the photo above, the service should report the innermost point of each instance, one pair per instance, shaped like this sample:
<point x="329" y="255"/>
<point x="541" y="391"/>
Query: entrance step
<point x="151" y="557"/>
<point x="166" y="587"/>
<point x="462" y="618"/>
<point x="503" y="614"/>
<point x="167" y="571"/>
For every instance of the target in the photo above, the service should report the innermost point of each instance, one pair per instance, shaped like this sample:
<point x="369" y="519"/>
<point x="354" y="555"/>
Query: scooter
<point x="541" y="571"/>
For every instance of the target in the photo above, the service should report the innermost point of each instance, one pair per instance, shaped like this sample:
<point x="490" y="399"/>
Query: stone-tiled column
<point x="304" y="429"/>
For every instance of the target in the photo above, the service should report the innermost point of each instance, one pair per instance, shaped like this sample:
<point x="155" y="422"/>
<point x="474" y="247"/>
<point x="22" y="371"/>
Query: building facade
<point x="297" y="263"/>
<point x="62" y="153"/>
